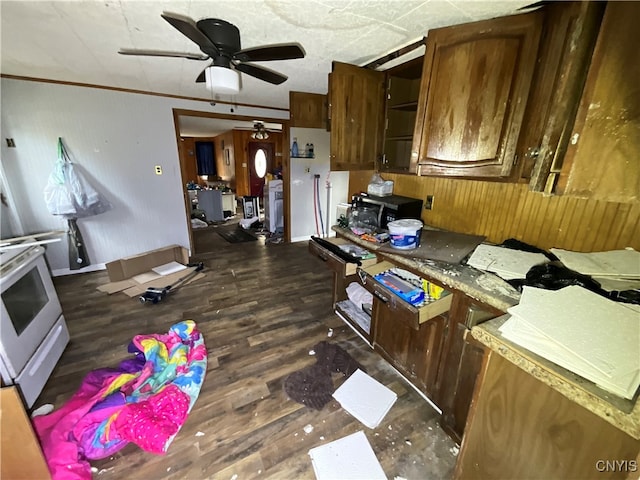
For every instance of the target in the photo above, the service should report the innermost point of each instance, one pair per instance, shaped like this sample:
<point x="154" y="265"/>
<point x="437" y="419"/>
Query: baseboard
<point x="67" y="271"/>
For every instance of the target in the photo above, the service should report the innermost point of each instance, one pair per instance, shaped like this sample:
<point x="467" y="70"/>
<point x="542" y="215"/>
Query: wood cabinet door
<point x="475" y="85"/>
<point x="308" y="110"/>
<point x="602" y="155"/>
<point x="520" y="427"/>
<point x="416" y="354"/>
<point x="461" y="362"/>
<point x="566" y="47"/>
<point x="356" y="112"/>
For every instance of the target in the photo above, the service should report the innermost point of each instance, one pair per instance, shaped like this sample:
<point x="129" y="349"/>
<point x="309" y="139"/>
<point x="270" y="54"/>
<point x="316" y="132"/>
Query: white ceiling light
<point x="259" y="133"/>
<point x="222" y="80"/>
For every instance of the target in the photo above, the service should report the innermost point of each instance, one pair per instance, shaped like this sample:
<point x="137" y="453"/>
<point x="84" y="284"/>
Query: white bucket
<point x="405" y="233"/>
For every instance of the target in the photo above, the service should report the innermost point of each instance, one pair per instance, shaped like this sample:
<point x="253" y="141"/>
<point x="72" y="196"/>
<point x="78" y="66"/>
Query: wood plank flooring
<point x="262" y="307"/>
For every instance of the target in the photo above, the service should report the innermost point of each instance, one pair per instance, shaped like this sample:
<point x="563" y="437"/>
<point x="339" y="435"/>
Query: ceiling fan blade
<point x="265" y="53"/>
<point x="261" y="73"/>
<point x="162" y="53"/>
<point x="189" y="29"/>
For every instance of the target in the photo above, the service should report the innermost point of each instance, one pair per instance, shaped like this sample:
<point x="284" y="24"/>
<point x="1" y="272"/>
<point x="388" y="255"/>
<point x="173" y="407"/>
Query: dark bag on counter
<point x="554" y="276"/>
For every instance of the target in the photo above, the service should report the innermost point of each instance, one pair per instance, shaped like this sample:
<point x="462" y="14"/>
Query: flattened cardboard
<point x="114" y="287"/>
<point x="162" y="282"/>
<point x="128" y="267"/>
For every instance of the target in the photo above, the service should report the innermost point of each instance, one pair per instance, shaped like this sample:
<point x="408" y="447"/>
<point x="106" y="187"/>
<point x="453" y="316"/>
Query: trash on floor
<point x="134" y="275"/>
<point x="347" y="457"/>
<point x="365" y="398"/>
<point x="145" y="400"/>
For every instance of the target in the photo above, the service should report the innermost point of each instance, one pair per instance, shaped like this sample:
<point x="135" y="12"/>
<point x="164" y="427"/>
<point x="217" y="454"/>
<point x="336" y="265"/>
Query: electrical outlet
<point x="428" y="204"/>
<point x="158" y="170"/>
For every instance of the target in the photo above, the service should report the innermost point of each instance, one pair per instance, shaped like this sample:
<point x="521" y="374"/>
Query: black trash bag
<point x="78" y="257"/>
<point x="554" y="276"/>
<point x="515" y="244"/>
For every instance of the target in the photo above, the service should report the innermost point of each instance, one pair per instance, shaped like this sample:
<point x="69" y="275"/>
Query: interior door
<point x="260" y="162"/>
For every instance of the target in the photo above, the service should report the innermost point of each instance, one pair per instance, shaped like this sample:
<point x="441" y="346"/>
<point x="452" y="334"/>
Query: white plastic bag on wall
<point x="68" y="194"/>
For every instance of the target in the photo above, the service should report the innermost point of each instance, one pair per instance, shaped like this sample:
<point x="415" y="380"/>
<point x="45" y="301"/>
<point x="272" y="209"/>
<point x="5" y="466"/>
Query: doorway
<point x="261" y="161"/>
<point x="193" y="123"/>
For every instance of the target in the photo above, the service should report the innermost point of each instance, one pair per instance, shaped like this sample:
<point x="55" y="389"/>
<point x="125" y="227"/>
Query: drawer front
<point x="404" y="311"/>
<point x="332" y="261"/>
<point x="342" y="267"/>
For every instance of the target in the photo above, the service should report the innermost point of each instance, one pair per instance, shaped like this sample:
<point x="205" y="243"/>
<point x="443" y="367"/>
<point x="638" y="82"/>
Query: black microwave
<point x="389" y="207"/>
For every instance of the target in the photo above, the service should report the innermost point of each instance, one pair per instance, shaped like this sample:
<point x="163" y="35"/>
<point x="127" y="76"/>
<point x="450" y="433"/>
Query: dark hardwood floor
<point x="262" y="307"/>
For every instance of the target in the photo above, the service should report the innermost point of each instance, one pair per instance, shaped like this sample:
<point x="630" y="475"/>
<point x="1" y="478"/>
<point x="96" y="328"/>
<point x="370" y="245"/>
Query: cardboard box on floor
<point x="122" y="272"/>
<point x="128" y="267"/>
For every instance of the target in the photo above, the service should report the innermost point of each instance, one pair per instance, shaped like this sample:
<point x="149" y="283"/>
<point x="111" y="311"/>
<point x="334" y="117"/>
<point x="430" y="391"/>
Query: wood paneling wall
<point x="507" y="210"/>
<point x="224" y="144"/>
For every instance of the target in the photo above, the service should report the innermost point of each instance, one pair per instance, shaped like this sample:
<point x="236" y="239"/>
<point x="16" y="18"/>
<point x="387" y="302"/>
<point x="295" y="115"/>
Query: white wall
<point x="303" y="223"/>
<point x="116" y="139"/>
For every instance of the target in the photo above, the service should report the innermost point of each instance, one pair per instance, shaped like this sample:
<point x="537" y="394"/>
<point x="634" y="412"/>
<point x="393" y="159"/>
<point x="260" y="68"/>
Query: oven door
<point x="30" y="308"/>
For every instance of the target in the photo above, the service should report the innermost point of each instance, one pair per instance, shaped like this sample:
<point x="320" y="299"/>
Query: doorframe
<point x="286" y="173"/>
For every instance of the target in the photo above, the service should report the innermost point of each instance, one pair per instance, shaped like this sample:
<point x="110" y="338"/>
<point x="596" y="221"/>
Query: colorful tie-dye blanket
<point x="145" y="401"/>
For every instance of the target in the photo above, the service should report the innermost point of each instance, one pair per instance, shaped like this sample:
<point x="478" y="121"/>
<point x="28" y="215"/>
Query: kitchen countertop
<point x="482" y="286"/>
<point x="622" y="413"/>
<point x="494" y="291"/>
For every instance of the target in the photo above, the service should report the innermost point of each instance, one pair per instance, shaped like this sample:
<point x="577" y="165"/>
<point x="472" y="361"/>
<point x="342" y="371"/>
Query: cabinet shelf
<point x="408" y="106"/>
<point x="313" y="156"/>
<point x="400" y="138"/>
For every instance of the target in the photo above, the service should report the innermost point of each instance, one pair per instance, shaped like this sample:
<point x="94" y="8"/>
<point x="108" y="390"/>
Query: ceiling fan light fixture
<point x="222" y="80"/>
<point x="259" y="132"/>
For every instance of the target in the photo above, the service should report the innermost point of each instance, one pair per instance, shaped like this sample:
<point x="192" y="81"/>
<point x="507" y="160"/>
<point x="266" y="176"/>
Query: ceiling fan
<point x="219" y="41"/>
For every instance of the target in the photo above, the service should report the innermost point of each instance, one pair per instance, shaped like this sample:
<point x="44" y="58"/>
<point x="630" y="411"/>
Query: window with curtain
<point x="205" y="158"/>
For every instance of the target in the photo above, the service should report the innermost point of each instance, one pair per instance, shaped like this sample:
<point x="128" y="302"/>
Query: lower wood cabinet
<point x="429" y="344"/>
<point x="22" y="457"/>
<point x="344" y="273"/>
<point x="410" y="337"/>
<point x="415" y="353"/>
<point x="461" y="362"/>
<point x="519" y="427"/>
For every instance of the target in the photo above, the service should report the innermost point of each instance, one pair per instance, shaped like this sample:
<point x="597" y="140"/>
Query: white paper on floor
<point x="365" y="398"/>
<point x="168" y="268"/>
<point x="350" y="457"/>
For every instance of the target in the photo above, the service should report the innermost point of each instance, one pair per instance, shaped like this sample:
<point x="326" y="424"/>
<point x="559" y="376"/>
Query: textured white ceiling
<point x="78" y="41"/>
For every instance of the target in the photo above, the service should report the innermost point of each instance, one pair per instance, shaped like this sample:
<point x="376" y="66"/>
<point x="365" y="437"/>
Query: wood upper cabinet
<point x="602" y="154"/>
<point x="475" y="85"/>
<point x="308" y="110"/>
<point x="356" y="106"/>
<point x="403" y="94"/>
<point x="569" y="35"/>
